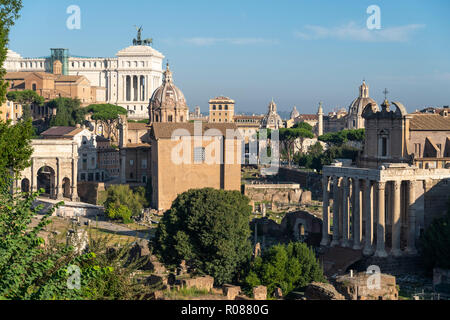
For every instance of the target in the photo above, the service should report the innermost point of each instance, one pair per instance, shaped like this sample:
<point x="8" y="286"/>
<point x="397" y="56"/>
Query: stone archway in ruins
<point x="46" y="180"/>
<point x="25" y="186"/>
<point x="67" y="192"/>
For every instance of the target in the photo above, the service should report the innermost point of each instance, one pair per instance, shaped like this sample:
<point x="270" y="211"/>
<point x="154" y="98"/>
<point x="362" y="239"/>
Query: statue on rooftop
<point x="138" y="41"/>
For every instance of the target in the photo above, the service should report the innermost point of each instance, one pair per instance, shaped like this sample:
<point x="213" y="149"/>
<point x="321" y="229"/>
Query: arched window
<point x="33" y="87"/>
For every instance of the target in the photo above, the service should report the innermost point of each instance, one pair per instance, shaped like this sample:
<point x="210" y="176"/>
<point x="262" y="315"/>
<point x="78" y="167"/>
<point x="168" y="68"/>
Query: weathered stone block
<point x="201" y="283"/>
<point x="260" y="293"/>
<point x="322" y="291"/>
<point x="230" y="291"/>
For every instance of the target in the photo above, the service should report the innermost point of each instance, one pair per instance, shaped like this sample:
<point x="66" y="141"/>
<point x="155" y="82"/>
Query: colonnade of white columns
<point x="135" y="88"/>
<point x="354" y="200"/>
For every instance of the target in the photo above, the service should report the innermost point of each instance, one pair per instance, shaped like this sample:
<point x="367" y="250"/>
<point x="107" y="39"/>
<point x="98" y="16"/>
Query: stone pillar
<point x="336" y="206"/>
<point x="396" y="221"/>
<point x="381" y="228"/>
<point x="59" y="188"/>
<point x="368" y="214"/>
<point x="411" y="244"/>
<point x="75" y="179"/>
<point x="345" y="213"/>
<point x="357" y="219"/>
<point x="123" y="166"/>
<point x="325" y="212"/>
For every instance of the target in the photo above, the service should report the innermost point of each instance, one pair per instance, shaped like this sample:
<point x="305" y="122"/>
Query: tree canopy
<point x="15" y="150"/>
<point x="26" y="98"/>
<point x="9" y="12"/>
<point x="122" y="203"/>
<point x="210" y="230"/>
<point x="293" y="138"/>
<point x="288" y="267"/>
<point x="108" y="115"/>
<point x="68" y="112"/>
<point x="341" y="137"/>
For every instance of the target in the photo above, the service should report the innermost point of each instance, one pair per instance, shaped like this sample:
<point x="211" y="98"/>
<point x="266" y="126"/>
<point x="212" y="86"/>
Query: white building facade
<point x="129" y="79"/>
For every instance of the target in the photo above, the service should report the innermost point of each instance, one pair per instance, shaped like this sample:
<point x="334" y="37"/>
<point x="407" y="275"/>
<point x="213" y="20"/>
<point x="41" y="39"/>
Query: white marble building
<point x="130" y="78"/>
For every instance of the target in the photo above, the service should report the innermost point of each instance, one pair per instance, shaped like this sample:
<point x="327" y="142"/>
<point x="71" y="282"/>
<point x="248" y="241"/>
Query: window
<point x="144" y="163"/>
<point x="199" y="154"/>
<point x="226" y="107"/>
<point x="220" y="107"/>
<point x="131" y="163"/>
<point x="384" y="147"/>
<point x="214" y="107"/>
<point x="170" y="119"/>
<point x="144" y="179"/>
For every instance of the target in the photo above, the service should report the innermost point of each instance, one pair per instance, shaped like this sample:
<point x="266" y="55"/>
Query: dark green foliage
<point x="108" y="116"/>
<point x="210" y="230"/>
<point x="293" y="138"/>
<point x="341" y="137"/>
<point x="9" y="12"/>
<point x="15" y="150"/>
<point x="288" y="267"/>
<point x="26" y="98"/>
<point x="122" y="203"/>
<point x="68" y="112"/>
<point x="435" y="244"/>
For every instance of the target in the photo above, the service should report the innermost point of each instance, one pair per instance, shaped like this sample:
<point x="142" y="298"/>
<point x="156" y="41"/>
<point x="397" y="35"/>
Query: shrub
<point x="288" y="267"/>
<point x="210" y="230"/>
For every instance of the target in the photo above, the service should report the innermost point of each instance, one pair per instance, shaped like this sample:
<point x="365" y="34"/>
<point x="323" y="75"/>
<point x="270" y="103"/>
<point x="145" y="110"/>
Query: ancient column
<point x="396" y="221"/>
<point x="59" y="188"/>
<point x="357" y="220"/>
<point x="411" y="244"/>
<point x="336" y="206"/>
<point x="345" y="213"/>
<point x="368" y="214"/>
<point x="325" y="213"/>
<point x="381" y="228"/>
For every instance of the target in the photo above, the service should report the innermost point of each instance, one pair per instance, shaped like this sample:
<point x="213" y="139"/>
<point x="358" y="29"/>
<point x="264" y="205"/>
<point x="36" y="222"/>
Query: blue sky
<point x="297" y="52"/>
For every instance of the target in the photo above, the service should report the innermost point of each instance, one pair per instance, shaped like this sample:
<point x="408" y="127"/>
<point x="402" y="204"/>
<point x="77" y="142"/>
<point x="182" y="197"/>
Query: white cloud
<point x="351" y="31"/>
<point x="202" y="41"/>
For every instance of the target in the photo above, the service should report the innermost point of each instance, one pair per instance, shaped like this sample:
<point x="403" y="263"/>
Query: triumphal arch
<point x="54" y="167"/>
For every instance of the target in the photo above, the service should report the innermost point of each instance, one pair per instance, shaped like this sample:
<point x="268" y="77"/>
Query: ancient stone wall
<point x="363" y="286"/>
<point x="307" y="180"/>
<point x="88" y="192"/>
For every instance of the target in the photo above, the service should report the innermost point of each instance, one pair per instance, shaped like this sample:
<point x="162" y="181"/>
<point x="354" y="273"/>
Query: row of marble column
<point x="348" y="232"/>
<point x="135" y="88"/>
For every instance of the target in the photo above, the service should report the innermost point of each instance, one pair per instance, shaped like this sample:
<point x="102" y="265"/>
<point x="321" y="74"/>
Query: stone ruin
<point x="79" y="239"/>
<point x="366" y="286"/>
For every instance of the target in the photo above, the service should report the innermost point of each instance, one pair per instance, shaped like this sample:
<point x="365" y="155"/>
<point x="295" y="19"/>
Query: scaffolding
<point x="63" y="56"/>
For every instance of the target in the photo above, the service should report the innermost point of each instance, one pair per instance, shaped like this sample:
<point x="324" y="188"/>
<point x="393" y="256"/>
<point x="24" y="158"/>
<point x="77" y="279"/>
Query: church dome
<point x="168" y="103"/>
<point x="294" y="113"/>
<point x="357" y="106"/>
<point x="272" y="120"/>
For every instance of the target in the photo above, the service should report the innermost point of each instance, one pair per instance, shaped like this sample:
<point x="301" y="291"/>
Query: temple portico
<point x="375" y="209"/>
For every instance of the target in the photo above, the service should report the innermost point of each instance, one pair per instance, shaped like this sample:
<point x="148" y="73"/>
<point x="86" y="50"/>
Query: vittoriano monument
<point x="138" y="41"/>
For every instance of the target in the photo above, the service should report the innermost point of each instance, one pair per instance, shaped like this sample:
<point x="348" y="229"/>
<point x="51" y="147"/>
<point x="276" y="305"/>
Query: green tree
<point x="9" y="12"/>
<point x="68" y="112"/>
<point x="293" y="138"/>
<point x="108" y="116"/>
<point x="210" y="230"/>
<point x="15" y="150"/>
<point x="339" y="138"/>
<point x="435" y="244"/>
<point x="26" y="98"/>
<point x="122" y="203"/>
<point x="288" y="267"/>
